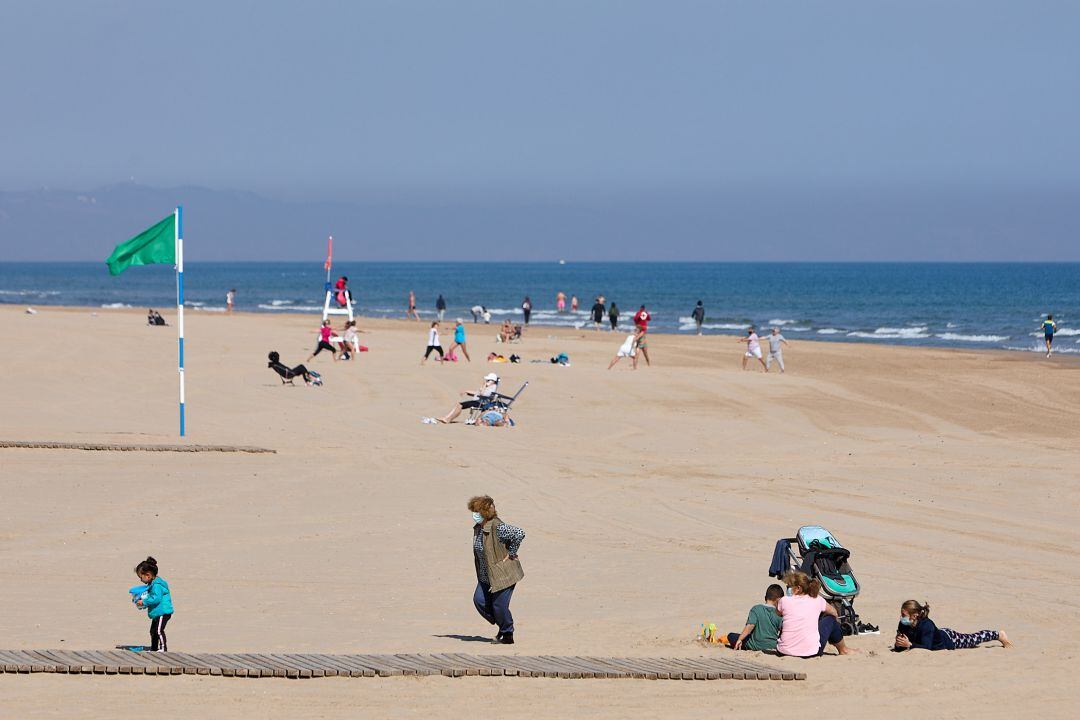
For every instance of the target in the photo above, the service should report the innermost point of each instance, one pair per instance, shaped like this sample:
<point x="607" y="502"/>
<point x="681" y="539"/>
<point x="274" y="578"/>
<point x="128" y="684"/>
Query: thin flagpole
<point x="179" y="224"/>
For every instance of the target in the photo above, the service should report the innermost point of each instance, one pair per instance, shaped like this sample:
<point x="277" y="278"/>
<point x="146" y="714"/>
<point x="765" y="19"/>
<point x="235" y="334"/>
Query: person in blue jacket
<point x="917" y="631"/>
<point x="158" y="603"/>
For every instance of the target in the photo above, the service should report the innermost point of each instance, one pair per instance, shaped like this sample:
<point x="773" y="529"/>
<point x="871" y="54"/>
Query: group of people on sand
<point x="753" y="348"/>
<point x="636" y="343"/>
<point x="153" y="317"/>
<point x="347" y="343"/>
<point x="434" y="343"/>
<point x="800" y="623"/>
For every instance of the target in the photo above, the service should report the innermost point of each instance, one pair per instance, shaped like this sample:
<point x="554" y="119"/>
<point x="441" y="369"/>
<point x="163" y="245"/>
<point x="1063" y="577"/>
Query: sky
<point x="598" y="104"/>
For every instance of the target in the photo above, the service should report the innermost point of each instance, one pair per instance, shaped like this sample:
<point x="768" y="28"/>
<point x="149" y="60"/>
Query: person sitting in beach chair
<point x="494" y="410"/>
<point x="515" y="336"/>
<point x="289" y="374"/>
<point x="476" y="399"/>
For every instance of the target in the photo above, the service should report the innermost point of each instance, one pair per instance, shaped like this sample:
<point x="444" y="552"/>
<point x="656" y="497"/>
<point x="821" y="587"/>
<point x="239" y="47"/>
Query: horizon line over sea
<point x="947" y="304"/>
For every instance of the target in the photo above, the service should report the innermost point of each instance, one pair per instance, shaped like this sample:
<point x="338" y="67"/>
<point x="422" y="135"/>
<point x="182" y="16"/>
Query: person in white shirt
<point x="491" y="386"/>
<point x="628" y="349"/>
<point x="775" y="352"/>
<point x="433" y="344"/>
<point x="753" y="348"/>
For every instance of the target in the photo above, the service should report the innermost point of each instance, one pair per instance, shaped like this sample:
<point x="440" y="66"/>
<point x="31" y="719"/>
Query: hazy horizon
<point x="614" y="129"/>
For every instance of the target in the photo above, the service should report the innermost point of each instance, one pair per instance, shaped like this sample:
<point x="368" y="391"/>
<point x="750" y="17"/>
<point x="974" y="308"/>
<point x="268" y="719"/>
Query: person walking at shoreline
<point x="699" y="315"/>
<point x="753" y="348"/>
<point x="459" y="340"/>
<point x="598" y="314"/>
<point x="1049" y="328"/>
<point x="433" y="343"/>
<point x="230" y="300"/>
<point x="411" y="312"/>
<point x="498" y="570"/>
<point x="157" y="601"/>
<point x="526" y="308"/>
<point x="775" y="353"/>
<point x="325" y="333"/>
<point x="641" y="319"/>
<point x="613" y="315"/>
<point x="440" y="307"/>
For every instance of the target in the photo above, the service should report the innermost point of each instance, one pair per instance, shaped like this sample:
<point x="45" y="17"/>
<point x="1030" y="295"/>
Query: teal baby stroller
<point x="817" y="553"/>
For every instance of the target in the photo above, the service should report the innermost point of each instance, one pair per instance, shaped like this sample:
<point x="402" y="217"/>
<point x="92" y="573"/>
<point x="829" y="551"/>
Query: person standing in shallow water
<point x="498" y="570"/>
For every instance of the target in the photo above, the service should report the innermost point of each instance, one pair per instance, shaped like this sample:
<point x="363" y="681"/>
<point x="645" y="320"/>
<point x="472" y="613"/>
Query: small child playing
<point x="158" y="603"/>
<point x="917" y="630"/>
<point x="762" y="624"/>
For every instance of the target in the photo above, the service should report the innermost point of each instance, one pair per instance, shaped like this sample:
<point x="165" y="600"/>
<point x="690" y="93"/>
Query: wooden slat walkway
<point x="130" y="447"/>
<point x="125" y="662"/>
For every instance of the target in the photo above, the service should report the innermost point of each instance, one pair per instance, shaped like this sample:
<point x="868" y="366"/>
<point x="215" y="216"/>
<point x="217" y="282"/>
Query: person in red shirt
<point x="641" y="319"/>
<point x="641" y="322"/>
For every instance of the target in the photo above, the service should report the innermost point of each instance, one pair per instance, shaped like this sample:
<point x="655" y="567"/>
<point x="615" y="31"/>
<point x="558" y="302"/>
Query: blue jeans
<point x="495" y="606"/>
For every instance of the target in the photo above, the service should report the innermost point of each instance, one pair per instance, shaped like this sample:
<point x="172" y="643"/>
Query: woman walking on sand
<point x="412" y="313"/>
<point x="498" y="570"/>
<point x="459" y="340"/>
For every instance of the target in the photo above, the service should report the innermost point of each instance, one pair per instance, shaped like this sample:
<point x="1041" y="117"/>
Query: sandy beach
<point x="651" y="498"/>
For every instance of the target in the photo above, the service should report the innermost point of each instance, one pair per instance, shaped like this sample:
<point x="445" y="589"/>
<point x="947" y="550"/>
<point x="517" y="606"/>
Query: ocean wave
<point x="691" y="325"/>
<point x="972" y="338"/>
<point x="279" y="303"/>
<point x="829" y="331"/>
<point x="115" y="306"/>
<point x="30" y="293"/>
<point x="292" y="308"/>
<point x="209" y="309"/>
<point x="782" y="322"/>
<point x="798" y="329"/>
<point x="1067" y="331"/>
<point x="193" y="303"/>
<point x="891" y="333"/>
<point x="1040" y="348"/>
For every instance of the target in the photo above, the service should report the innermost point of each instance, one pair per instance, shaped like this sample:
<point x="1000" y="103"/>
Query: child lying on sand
<point x="917" y="630"/>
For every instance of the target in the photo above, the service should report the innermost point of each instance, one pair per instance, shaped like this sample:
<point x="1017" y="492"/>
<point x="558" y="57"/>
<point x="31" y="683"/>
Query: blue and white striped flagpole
<point x="180" y="304"/>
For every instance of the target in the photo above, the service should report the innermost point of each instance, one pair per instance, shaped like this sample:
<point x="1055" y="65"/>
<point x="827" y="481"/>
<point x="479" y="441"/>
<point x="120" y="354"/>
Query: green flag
<point x="155" y="245"/>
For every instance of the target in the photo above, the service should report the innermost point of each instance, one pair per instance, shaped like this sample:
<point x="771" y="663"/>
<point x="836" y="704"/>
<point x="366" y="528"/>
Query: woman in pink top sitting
<point x="809" y="622"/>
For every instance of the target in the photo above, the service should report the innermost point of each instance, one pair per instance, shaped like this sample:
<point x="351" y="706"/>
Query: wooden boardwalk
<point x="730" y="666"/>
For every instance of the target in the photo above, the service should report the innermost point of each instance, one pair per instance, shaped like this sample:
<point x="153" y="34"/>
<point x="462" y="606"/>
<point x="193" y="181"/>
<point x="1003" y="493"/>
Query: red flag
<point x="329" y="251"/>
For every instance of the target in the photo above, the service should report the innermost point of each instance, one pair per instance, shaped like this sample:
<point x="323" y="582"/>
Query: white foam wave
<point x="889" y="333"/>
<point x="972" y="338"/>
<point x="829" y="331"/>
<point x="797" y="329"/>
<point x="781" y="322"/>
<point x="29" y="293"/>
<point x="1040" y="348"/>
<point x="691" y="325"/>
<point x="115" y="306"/>
<point x="278" y="303"/>
<point x="210" y="309"/>
<point x="1067" y="331"/>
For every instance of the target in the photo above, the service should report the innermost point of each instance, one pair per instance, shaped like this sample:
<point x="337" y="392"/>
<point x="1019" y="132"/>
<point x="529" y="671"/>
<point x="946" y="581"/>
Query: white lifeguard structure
<point x="331" y="306"/>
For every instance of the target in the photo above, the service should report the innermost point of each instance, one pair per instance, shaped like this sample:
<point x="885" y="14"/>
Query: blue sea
<point x="987" y="305"/>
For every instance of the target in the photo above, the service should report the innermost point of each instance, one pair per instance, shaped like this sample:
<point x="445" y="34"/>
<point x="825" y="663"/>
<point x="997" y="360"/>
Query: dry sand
<point x="651" y="499"/>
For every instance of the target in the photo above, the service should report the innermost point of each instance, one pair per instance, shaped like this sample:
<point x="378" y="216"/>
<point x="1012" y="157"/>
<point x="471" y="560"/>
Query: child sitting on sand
<point x="917" y="630"/>
<point x="762" y="624"/>
<point x="157" y="601"/>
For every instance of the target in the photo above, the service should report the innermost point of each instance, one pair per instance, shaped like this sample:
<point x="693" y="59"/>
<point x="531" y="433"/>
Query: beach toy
<point x="138" y="593"/>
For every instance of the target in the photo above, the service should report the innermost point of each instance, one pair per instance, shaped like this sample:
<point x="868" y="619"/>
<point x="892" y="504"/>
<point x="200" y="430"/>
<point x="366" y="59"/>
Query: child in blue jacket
<point x="158" y="603"/>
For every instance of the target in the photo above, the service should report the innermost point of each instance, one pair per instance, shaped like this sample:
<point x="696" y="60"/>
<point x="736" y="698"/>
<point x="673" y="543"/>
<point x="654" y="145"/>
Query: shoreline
<point x="364" y="321"/>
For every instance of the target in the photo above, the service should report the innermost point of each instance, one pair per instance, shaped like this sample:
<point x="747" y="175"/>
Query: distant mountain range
<point x="742" y="224"/>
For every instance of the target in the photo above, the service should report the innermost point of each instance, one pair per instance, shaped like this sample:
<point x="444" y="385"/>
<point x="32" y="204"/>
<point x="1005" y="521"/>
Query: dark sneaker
<point x="504" y="639"/>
